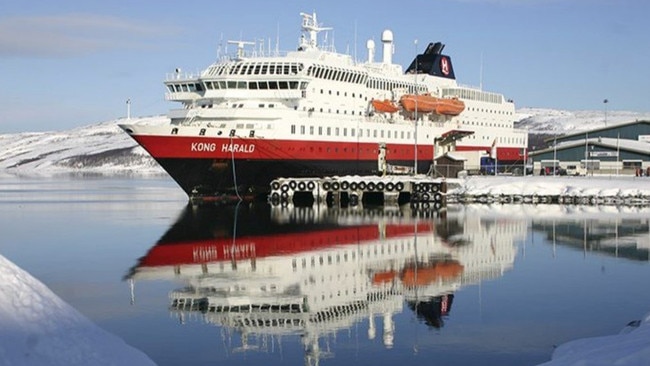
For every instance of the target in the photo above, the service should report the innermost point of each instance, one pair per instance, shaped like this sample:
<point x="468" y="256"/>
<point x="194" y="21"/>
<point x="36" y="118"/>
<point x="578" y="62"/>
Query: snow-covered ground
<point x="38" y="328"/>
<point x="629" y="348"/>
<point x="617" y="188"/>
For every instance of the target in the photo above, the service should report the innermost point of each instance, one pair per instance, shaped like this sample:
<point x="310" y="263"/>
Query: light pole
<point x="605" y="103"/>
<point x="415" y="146"/>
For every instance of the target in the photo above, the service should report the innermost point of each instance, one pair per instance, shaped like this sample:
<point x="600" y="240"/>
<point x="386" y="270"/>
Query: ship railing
<point x="182" y="75"/>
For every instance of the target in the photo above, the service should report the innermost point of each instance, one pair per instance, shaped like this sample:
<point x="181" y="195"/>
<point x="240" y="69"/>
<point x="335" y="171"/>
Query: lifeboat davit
<point x="429" y="104"/>
<point x="384" y="106"/>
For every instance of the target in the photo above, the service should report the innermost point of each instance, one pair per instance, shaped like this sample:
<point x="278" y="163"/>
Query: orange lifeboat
<point x="423" y="103"/>
<point x="450" y="106"/>
<point x="447" y="270"/>
<point x="427" y="104"/>
<point x="384" y="106"/>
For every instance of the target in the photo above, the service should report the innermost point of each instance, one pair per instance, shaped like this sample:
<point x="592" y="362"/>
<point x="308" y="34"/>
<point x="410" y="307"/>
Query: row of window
<point x="256" y="68"/>
<point x="384" y="84"/>
<point x="185" y="87"/>
<point x="352" y="132"/>
<point x="336" y="74"/>
<point x="502" y="140"/>
<point x="344" y="131"/>
<point x="383" y="249"/>
<point x="256" y="85"/>
<point x="475" y="109"/>
<point x="473" y="94"/>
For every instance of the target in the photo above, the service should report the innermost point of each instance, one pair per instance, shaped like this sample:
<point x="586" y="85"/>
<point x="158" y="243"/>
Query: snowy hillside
<point x="104" y="148"/>
<point x="99" y="148"/>
<point x="551" y="121"/>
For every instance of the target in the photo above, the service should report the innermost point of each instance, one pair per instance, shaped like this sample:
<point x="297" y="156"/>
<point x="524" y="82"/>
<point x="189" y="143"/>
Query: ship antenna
<point x="355" y="40"/>
<point x="277" y="41"/>
<point x="219" y="47"/>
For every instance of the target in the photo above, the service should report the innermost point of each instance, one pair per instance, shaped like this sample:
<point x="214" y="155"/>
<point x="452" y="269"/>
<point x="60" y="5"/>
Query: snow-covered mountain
<point x="552" y="121"/>
<point x="104" y="148"/>
<point x="101" y="148"/>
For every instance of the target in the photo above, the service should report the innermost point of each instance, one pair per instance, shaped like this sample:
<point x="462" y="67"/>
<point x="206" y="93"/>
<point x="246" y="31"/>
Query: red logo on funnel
<point x="444" y="65"/>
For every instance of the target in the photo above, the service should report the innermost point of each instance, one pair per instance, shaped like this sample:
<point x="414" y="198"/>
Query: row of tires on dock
<point x="355" y="191"/>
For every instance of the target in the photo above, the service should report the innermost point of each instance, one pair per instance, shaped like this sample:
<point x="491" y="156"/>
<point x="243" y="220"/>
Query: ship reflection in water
<point x="264" y="273"/>
<point x="260" y="271"/>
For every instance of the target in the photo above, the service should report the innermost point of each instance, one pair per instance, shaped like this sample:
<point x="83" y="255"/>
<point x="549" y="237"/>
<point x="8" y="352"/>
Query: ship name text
<point x="203" y="146"/>
<point x="238" y="148"/>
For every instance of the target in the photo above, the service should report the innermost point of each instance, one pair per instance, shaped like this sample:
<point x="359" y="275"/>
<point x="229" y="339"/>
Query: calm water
<point x="473" y="285"/>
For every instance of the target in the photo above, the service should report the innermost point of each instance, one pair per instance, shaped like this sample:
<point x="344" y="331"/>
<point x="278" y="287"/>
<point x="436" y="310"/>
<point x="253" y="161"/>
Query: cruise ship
<point x="258" y="115"/>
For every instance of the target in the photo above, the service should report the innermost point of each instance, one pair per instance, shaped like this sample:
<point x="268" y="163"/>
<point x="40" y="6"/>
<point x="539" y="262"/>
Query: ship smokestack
<point x="371" y="50"/>
<point x="387" y="40"/>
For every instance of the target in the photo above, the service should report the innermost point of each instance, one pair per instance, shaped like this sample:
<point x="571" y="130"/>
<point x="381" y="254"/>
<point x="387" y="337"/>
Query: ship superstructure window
<point x="255" y="68"/>
<point x="191" y="87"/>
<point x="472" y="94"/>
<point x="335" y="74"/>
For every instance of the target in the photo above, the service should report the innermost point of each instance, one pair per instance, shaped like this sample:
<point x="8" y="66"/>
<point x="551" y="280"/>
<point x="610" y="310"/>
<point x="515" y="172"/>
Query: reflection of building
<point x="314" y="271"/>
<point x="621" y="237"/>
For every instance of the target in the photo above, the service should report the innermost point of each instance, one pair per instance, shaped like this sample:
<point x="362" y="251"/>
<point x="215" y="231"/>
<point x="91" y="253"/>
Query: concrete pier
<point x="352" y="191"/>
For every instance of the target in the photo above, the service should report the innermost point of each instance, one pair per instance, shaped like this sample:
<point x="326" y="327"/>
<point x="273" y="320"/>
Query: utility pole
<point x="415" y="161"/>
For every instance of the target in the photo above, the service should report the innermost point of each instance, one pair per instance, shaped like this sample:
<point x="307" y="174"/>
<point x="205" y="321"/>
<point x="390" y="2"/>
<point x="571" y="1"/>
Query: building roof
<point x="620" y="144"/>
<point x="596" y="130"/>
<point x="452" y="156"/>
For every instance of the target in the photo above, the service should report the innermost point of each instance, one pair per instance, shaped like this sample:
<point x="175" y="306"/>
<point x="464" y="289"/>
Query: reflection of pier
<point x="265" y="272"/>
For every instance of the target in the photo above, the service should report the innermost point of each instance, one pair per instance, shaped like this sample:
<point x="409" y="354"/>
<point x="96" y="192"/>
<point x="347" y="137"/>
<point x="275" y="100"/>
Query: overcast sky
<point x="76" y="62"/>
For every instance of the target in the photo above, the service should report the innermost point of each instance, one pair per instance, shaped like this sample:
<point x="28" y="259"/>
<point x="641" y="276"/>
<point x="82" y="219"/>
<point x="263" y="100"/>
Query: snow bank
<point x="616" y="187"/>
<point x="630" y="348"/>
<point x="38" y="328"/>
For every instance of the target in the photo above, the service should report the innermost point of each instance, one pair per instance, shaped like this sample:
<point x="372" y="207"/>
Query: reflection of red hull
<point x="261" y="246"/>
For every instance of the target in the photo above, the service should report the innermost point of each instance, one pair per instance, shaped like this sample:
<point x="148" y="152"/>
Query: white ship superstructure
<point x="313" y="112"/>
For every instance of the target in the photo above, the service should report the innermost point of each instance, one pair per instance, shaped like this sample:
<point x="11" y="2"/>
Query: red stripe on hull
<point x="503" y="153"/>
<point x="260" y="149"/>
